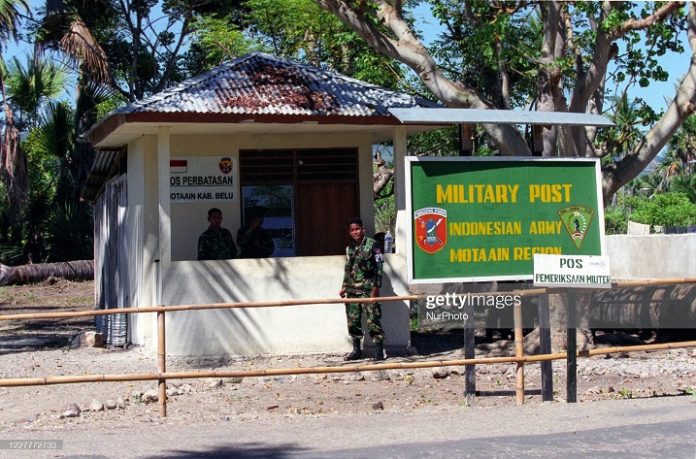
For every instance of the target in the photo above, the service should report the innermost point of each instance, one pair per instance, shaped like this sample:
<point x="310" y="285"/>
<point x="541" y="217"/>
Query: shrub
<point x="668" y="209"/>
<point x="615" y="221"/>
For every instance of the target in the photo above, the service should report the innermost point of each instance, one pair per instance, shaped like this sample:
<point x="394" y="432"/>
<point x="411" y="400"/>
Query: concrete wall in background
<point x="654" y="256"/>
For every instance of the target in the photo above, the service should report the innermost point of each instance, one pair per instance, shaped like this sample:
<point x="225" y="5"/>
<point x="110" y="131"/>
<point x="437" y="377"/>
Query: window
<point x="310" y="194"/>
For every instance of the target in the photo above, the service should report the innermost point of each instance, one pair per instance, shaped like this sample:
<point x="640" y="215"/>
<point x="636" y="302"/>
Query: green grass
<point x="625" y="393"/>
<point x="6" y="296"/>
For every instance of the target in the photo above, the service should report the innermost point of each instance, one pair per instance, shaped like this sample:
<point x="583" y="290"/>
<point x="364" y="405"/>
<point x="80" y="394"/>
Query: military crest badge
<point x="226" y="165"/>
<point x="430" y="228"/>
<point x="576" y="220"/>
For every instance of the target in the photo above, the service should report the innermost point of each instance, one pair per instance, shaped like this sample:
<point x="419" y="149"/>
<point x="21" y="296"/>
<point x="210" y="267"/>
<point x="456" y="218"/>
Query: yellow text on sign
<point x="550" y="192"/>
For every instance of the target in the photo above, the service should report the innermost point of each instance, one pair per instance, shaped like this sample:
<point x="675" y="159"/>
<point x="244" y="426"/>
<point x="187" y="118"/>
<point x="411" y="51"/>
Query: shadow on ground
<point x="243" y="451"/>
<point x="36" y="335"/>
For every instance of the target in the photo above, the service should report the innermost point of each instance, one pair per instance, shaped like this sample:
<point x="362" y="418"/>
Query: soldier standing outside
<point x="363" y="279"/>
<point x="216" y="243"/>
<point x="253" y="239"/>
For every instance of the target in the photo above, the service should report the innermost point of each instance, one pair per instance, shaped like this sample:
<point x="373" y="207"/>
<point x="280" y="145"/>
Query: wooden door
<point x="323" y="212"/>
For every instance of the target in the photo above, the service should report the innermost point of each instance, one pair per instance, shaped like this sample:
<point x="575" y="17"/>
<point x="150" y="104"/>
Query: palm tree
<point x="58" y="227"/>
<point x="675" y="167"/>
<point x="685" y="183"/>
<point x="684" y="141"/>
<point x="9" y="19"/>
<point x="645" y="185"/>
<point x="30" y="87"/>
<point x="12" y="164"/>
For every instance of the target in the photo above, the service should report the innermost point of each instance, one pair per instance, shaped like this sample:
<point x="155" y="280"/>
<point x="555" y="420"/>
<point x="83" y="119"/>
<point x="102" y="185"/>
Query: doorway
<point x="323" y="189"/>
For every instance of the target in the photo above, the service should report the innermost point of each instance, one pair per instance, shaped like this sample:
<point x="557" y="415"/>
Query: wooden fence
<point x="162" y="375"/>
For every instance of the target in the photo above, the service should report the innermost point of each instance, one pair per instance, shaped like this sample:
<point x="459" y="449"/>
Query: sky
<point x="657" y="95"/>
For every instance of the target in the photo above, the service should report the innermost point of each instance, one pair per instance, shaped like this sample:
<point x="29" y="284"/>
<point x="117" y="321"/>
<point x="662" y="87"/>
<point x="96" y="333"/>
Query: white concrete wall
<point x="311" y="328"/>
<point x="655" y="256"/>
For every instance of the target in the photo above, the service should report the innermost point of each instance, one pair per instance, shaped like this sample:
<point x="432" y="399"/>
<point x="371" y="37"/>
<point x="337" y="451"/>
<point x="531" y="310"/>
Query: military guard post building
<point x="255" y="131"/>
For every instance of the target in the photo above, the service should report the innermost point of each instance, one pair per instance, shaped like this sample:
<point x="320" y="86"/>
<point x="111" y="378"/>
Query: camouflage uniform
<point x="216" y="244"/>
<point x="363" y="272"/>
<point x="256" y="243"/>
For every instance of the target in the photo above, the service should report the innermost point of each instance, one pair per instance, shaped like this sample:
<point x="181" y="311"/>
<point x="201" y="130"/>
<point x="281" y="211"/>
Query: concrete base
<point x="286" y="329"/>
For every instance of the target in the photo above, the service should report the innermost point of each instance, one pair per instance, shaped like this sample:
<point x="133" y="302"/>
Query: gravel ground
<point x="642" y="375"/>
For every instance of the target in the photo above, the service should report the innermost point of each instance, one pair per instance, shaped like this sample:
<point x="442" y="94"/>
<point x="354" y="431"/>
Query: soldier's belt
<point x="359" y="290"/>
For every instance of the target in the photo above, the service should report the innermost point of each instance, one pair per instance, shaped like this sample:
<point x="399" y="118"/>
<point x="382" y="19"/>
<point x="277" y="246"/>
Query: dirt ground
<point x="41" y="348"/>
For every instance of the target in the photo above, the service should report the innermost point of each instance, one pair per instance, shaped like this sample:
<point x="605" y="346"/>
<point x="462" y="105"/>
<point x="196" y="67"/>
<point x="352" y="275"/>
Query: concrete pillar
<point x="165" y="230"/>
<point x="402" y="217"/>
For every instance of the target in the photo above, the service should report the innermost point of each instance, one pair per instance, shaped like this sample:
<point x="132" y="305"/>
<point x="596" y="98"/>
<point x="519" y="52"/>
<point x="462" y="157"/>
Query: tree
<point x="673" y="170"/>
<point x="31" y="86"/>
<point x="9" y="19"/>
<point x="71" y="270"/>
<point x="680" y="159"/>
<point x="12" y="166"/>
<point x="552" y="54"/>
<point x="145" y="39"/>
<point x="295" y="29"/>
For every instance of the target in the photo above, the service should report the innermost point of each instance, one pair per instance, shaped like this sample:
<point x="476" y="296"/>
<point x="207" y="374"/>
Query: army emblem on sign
<point x="431" y="228"/>
<point x="576" y="220"/>
<point x="226" y="165"/>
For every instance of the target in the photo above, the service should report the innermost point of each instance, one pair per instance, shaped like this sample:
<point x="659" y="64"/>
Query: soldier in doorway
<point x="253" y="239"/>
<point x="216" y="243"/>
<point x="363" y="279"/>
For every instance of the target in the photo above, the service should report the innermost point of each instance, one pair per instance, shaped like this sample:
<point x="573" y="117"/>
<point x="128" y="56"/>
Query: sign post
<point x="488" y="218"/>
<point x="571" y="272"/>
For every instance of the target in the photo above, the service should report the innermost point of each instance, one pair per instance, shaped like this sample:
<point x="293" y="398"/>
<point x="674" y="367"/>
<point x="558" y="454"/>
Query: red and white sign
<point x="178" y="166"/>
<point x="202" y="178"/>
<point x="430" y="228"/>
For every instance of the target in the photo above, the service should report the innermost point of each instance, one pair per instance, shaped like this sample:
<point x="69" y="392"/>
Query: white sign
<point x="579" y="271"/>
<point x="202" y="178"/>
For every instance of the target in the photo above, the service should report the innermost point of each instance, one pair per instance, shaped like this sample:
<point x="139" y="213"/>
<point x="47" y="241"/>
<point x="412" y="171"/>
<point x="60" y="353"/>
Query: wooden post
<point x="545" y="348"/>
<point x="571" y="361"/>
<point x="466" y="139"/>
<point x="161" y="365"/>
<point x="537" y="140"/>
<point x="519" y="352"/>
<point x="470" y="353"/>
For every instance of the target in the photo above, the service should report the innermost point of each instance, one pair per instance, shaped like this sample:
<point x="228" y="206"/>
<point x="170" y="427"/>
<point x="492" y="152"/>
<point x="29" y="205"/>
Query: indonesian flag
<point x="178" y="166"/>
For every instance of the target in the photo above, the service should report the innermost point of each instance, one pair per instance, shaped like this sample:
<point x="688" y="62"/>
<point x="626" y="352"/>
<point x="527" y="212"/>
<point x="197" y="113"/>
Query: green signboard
<point x="482" y="219"/>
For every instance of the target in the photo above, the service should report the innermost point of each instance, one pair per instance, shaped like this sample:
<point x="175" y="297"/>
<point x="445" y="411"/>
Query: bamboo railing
<point x="162" y="375"/>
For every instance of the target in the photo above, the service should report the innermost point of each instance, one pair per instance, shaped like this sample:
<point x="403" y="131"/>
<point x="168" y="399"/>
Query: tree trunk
<point x="382" y="175"/>
<point x="25" y="274"/>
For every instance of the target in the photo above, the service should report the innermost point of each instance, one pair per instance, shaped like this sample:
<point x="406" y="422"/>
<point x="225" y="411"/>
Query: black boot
<point x="355" y="354"/>
<point x="379" y="351"/>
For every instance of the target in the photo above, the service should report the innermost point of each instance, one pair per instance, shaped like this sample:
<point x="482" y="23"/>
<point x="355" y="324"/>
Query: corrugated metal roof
<point x="99" y="172"/>
<point x="466" y="115"/>
<point x="260" y="84"/>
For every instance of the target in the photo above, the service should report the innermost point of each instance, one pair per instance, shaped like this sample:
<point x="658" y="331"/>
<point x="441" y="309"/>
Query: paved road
<point x="659" y="427"/>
